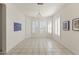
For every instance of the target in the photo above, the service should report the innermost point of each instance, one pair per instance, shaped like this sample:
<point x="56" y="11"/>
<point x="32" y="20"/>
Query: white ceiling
<point x="32" y="9"/>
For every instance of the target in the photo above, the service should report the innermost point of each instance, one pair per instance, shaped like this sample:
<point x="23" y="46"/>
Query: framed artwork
<point x="75" y="24"/>
<point x="17" y="26"/>
<point x="66" y="25"/>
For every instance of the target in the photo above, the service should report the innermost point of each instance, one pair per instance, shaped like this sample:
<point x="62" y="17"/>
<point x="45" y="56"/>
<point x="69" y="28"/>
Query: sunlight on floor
<point x="36" y="46"/>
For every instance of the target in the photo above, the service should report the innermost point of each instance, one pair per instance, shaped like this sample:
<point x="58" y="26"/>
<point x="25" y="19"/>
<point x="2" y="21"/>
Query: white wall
<point x="13" y="15"/>
<point x="70" y="39"/>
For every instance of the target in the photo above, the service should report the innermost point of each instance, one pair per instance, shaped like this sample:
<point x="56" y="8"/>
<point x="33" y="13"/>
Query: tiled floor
<point x="40" y="46"/>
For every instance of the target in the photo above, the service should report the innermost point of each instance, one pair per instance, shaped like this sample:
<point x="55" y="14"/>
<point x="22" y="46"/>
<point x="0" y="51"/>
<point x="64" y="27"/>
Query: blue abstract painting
<point x="17" y="26"/>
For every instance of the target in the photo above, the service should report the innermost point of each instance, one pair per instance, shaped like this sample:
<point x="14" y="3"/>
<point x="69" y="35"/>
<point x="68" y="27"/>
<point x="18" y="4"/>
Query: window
<point x="41" y="26"/>
<point x="35" y="26"/>
<point x="49" y="27"/>
<point x="56" y="26"/>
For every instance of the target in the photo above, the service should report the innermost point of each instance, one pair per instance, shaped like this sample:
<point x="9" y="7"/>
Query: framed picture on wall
<point x="66" y="25"/>
<point x="75" y="24"/>
<point x="17" y="26"/>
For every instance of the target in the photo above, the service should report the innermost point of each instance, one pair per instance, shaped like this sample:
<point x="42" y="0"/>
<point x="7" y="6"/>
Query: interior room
<point x="39" y="28"/>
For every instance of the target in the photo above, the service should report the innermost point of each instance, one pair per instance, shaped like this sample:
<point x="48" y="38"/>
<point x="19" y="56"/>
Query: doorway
<point x="2" y="28"/>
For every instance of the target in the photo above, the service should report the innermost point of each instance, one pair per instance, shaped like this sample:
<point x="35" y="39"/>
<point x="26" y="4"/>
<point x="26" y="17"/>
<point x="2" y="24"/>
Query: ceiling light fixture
<point x="40" y="3"/>
<point x="39" y="14"/>
<point x="39" y="9"/>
